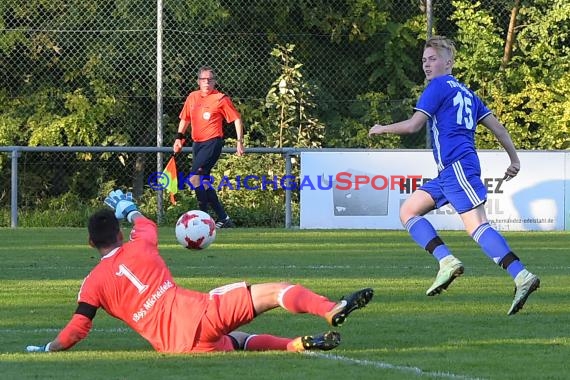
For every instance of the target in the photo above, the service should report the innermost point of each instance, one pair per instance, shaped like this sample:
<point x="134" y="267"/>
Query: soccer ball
<point x="195" y="230"/>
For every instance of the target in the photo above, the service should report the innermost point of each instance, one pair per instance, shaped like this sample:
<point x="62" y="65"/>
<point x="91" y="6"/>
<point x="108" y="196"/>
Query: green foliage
<point x="393" y="64"/>
<point x="352" y="19"/>
<point x="259" y="207"/>
<point x="73" y="74"/>
<point x="479" y="58"/>
<point x="5" y="217"/>
<point x="206" y="13"/>
<point x="11" y="121"/>
<point x="82" y="120"/>
<point x="248" y="207"/>
<point x="67" y="210"/>
<point x="69" y="89"/>
<point x="289" y="106"/>
<point x="530" y="95"/>
<point x="372" y="108"/>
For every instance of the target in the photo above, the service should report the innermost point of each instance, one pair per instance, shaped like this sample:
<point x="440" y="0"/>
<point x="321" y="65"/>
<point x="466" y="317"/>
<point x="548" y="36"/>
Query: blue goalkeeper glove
<point x="122" y="203"/>
<point x="44" y="348"/>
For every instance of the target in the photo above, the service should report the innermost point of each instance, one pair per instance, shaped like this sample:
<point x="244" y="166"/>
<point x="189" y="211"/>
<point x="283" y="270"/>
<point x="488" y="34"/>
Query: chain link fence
<point x="78" y="73"/>
<point x="106" y="51"/>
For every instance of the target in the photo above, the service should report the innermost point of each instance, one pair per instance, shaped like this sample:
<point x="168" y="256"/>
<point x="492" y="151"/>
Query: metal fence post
<point x="288" y="171"/>
<point x="429" y="25"/>
<point x="159" y="106"/>
<point x="14" y="189"/>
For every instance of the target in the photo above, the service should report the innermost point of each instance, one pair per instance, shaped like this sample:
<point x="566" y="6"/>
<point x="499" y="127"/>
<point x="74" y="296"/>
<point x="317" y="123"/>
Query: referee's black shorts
<point x="205" y="154"/>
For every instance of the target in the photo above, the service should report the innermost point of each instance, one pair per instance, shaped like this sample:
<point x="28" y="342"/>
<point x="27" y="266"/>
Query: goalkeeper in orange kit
<point x="133" y="283"/>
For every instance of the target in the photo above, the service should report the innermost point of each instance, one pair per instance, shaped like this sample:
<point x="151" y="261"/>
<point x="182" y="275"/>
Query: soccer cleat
<point x="226" y="223"/>
<point x="525" y="284"/>
<point x="347" y="305"/>
<point x="449" y="269"/>
<point x="324" y="342"/>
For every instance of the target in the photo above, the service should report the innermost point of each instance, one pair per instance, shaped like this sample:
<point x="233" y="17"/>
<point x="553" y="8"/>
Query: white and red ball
<point x="195" y="229"/>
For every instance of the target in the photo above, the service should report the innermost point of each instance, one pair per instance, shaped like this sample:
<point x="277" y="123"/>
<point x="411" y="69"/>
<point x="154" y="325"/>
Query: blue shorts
<point x="459" y="184"/>
<point x="205" y="154"/>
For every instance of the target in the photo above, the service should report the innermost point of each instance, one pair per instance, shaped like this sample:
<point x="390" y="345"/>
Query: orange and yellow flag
<point x="171" y="183"/>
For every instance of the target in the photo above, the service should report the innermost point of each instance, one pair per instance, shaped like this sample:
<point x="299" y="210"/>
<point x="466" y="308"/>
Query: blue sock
<point x="495" y="247"/>
<point x="515" y="268"/>
<point x="440" y="252"/>
<point x="426" y="237"/>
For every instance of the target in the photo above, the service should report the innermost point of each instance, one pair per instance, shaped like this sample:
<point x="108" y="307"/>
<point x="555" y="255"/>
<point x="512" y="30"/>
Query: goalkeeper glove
<point x="44" y="348"/>
<point x="122" y="203"/>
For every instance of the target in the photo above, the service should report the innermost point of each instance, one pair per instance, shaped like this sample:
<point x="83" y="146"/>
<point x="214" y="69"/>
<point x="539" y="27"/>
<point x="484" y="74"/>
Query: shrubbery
<point x="248" y="208"/>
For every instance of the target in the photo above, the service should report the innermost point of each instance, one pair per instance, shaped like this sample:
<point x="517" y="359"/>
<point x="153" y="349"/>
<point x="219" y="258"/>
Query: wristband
<point x="180" y="136"/>
<point x="131" y="215"/>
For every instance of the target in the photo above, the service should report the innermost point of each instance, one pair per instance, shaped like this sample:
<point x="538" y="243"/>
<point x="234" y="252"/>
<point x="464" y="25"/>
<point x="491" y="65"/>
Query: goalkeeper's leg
<point x="265" y="342"/>
<point x="298" y="299"/>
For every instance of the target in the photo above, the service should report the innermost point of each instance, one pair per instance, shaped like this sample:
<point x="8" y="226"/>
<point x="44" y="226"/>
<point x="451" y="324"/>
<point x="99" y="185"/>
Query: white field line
<point x="120" y="330"/>
<point x="292" y="266"/>
<point x="363" y="362"/>
<point x="383" y="365"/>
<point x="313" y="267"/>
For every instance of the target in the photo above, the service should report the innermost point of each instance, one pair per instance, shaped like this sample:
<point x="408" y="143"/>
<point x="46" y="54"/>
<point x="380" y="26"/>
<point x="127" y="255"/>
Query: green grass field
<point x="402" y="334"/>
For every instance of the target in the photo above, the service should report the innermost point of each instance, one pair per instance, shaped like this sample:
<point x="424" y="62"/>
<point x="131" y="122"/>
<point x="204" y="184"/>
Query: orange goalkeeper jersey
<point x="207" y="113"/>
<point x="133" y="284"/>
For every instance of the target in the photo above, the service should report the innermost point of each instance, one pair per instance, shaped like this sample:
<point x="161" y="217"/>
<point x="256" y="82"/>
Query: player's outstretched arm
<point x="504" y="138"/>
<point x="125" y="207"/>
<point x="52" y="346"/>
<point x="408" y="126"/>
<point x="76" y="330"/>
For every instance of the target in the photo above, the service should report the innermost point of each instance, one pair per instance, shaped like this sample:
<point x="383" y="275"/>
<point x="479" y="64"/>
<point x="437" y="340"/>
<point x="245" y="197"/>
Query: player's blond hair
<point x="442" y="45"/>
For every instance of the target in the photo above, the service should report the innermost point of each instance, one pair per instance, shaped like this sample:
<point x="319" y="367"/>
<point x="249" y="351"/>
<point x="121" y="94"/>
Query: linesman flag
<point x="171" y="179"/>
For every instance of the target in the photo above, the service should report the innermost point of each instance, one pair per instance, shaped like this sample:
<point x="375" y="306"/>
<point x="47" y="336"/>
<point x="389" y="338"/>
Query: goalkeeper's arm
<point x="125" y="208"/>
<point x="76" y="330"/>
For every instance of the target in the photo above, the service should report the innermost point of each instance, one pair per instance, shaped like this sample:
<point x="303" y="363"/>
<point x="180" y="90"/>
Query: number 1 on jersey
<point x="124" y="271"/>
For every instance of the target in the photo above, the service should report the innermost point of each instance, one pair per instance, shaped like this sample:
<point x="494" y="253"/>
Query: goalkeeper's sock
<point x="423" y="233"/>
<point x="213" y="200"/>
<point x="497" y="249"/>
<point x="264" y="342"/>
<point x="298" y="299"/>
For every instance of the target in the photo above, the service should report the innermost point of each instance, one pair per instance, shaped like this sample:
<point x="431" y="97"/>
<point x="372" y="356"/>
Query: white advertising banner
<point x="365" y="190"/>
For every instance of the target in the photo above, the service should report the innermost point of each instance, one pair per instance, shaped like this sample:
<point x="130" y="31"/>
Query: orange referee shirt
<point x="206" y="114"/>
<point x="133" y="284"/>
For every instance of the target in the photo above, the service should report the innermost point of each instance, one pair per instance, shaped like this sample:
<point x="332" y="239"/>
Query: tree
<point x="529" y="92"/>
<point x="290" y="106"/>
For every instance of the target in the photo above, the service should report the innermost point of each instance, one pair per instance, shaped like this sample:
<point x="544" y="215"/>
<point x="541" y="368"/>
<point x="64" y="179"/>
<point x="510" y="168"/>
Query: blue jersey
<point x="453" y="113"/>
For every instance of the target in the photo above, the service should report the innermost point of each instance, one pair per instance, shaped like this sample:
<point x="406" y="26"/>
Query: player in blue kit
<point x="452" y="112"/>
